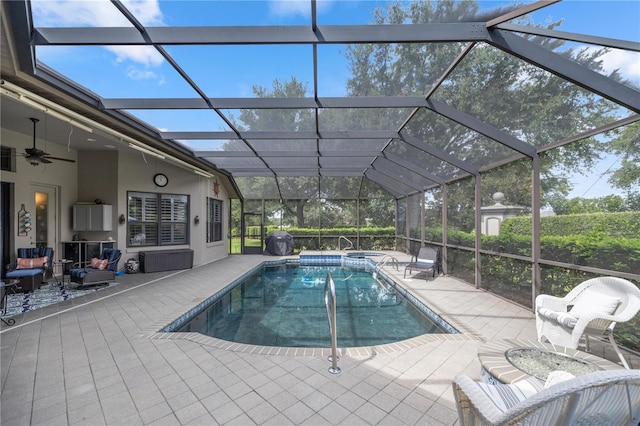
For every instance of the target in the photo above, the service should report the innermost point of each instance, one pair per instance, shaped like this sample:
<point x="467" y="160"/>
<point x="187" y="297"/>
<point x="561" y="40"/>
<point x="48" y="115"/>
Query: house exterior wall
<point x="108" y="175"/>
<point x="61" y="176"/>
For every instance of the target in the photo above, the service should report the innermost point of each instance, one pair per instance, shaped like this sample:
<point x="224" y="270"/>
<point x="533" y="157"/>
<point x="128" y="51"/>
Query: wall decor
<point x="24" y="222"/>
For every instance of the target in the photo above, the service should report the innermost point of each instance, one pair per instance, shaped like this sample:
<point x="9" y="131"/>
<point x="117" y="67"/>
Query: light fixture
<point x="146" y="151"/>
<point x="121" y="219"/>
<point x="196" y="220"/>
<point x="17" y="92"/>
<point x="66" y="119"/>
<point x="201" y="173"/>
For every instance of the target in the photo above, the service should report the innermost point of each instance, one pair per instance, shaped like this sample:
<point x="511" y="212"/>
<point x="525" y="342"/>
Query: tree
<point x="500" y="89"/>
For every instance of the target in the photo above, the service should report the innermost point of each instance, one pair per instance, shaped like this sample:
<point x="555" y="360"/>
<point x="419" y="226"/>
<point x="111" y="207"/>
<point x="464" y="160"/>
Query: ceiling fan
<point x="35" y="156"/>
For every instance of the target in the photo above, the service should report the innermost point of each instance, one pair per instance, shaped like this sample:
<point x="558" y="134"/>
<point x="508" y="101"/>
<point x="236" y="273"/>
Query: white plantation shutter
<point x="157" y="219"/>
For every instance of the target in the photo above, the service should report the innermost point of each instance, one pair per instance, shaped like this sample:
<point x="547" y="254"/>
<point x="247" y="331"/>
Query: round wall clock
<point x="160" y="179"/>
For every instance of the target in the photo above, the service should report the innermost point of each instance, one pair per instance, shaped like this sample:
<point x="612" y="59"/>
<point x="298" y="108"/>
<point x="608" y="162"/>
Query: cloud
<point x="101" y="13"/>
<point x="145" y="55"/>
<point x="626" y="61"/>
<point x="144" y="74"/>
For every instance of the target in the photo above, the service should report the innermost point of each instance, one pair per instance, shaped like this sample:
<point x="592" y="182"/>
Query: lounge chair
<point x="592" y="308"/>
<point x="32" y="266"/>
<point x="101" y="270"/>
<point x="610" y="397"/>
<point x="426" y="260"/>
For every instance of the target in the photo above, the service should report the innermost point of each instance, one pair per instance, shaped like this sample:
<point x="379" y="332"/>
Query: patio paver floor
<point x="98" y="361"/>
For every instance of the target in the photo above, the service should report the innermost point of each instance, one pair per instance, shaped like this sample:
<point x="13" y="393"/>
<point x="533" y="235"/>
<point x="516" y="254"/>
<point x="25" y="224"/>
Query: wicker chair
<point x="592" y="308"/>
<point x="610" y="397"/>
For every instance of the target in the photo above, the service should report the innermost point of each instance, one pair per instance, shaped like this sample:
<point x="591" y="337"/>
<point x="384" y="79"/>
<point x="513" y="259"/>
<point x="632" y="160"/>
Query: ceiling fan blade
<point x="35" y="151"/>
<point x="44" y="160"/>
<point x="59" y="159"/>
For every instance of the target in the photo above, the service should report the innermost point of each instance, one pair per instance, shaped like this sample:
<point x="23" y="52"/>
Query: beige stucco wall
<point x="108" y="175"/>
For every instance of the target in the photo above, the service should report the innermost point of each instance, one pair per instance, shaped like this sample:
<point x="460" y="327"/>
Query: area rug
<point x="47" y="294"/>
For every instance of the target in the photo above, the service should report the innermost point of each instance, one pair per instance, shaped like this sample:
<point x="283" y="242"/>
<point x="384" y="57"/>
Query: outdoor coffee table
<point x="509" y="361"/>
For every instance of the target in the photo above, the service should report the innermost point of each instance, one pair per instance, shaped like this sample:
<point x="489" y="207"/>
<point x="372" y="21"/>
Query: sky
<point x="141" y="71"/>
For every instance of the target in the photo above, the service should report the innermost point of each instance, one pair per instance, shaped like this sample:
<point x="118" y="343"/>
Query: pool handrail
<point x="348" y="240"/>
<point x="330" y="304"/>
<point x="385" y="259"/>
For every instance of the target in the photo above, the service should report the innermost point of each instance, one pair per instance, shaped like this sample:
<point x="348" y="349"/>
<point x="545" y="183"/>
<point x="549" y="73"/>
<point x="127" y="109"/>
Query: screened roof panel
<point x="341" y="145"/>
<point x="291" y="162"/>
<point x="258" y="187"/>
<point x="195" y="120"/>
<point x="85" y="65"/>
<point x="238" y="162"/>
<point x="416" y="158"/>
<point x="401" y="93"/>
<point x="387" y="167"/>
<point x="216" y="65"/>
<point x="334" y="69"/>
<point x="622" y="62"/>
<point x="371" y="190"/>
<point x="623" y="15"/>
<point x="266" y="146"/>
<point x="271" y="120"/>
<point x="345" y="162"/>
<point x="457" y="140"/>
<point x="340" y="119"/>
<point x="199" y="146"/>
<point x="525" y="101"/>
<point x="340" y="187"/>
<point x="299" y="187"/>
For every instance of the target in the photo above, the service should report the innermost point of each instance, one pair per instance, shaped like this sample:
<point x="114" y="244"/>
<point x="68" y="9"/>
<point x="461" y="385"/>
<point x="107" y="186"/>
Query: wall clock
<point x="160" y="179"/>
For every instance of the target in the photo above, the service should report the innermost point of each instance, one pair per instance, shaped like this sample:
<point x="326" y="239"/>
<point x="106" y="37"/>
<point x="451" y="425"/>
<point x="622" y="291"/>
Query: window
<point x="157" y="219"/>
<point x="8" y="159"/>
<point x="214" y="220"/>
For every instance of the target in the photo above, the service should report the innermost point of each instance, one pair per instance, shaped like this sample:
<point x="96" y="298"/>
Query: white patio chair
<point x="592" y="308"/>
<point x="608" y="397"/>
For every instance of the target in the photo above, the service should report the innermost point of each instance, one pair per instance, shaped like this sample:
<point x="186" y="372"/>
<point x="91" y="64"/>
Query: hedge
<point x="614" y="225"/>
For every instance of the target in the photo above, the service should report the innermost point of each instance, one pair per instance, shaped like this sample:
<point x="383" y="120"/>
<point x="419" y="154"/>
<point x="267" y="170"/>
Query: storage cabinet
<point x="83" y="251"/>
<point x="92" y="217"/>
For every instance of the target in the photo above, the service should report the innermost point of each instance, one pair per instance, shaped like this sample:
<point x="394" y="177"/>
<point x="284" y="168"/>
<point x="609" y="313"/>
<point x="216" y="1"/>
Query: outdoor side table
<point x="65" y="266"/>
<point x="6" y="287"/>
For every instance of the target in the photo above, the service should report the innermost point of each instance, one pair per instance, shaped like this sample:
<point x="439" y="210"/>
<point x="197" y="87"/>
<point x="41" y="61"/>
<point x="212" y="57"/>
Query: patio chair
<point x="592" y="308"/>
<point x="100" y="270"/>
<point x="32" y="266"/>
<point x="610" y="397"/>
<point x="426" y="260"/>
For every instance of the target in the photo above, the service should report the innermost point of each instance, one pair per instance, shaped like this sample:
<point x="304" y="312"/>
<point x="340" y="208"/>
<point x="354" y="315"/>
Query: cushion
<point x="562" y="318"/>
<point x="558" y="376"/>
<point x="506" y="396"/>
<point x="99" y="263"/>
<point x="29" y="263"/>
<point x="593" y="302"/>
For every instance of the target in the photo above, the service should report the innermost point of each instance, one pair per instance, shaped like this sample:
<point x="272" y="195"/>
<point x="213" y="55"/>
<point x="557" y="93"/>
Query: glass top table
<point x="512" y="360"/>
<point x="539" y="362"/>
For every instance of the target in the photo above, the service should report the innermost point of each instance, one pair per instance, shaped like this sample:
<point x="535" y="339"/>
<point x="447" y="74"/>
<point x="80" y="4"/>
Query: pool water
<point x="284" y="306"/>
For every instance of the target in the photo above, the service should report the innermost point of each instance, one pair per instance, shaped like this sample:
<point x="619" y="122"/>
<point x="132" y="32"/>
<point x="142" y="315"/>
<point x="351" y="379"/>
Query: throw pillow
<point x="99" y="263"/>
<point x="28" y="263"/>
<point x="593" y="302"/>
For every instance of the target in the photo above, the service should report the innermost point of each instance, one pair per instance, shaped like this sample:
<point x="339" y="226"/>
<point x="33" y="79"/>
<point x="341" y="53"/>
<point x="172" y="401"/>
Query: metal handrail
<point x="330" y="303"/>
<point x="385" y="259"/>
<point x="348" y="240"/>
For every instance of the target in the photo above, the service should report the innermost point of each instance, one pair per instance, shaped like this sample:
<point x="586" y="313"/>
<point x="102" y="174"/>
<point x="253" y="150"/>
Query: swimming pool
<point x="283" y="305"/>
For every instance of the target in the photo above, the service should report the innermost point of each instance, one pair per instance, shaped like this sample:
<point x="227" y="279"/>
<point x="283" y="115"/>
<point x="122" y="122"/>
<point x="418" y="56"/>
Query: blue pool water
<point x="284" y="306"/>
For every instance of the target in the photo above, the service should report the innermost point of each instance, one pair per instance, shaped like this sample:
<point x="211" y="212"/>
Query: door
<point x="252" y="233"/>
<point x="45" y="225"/>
